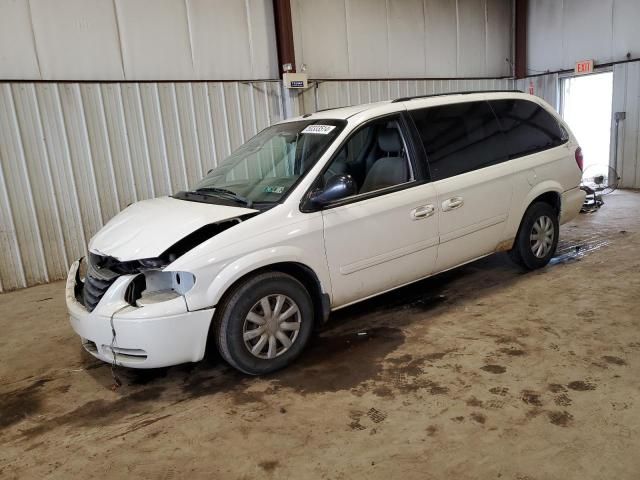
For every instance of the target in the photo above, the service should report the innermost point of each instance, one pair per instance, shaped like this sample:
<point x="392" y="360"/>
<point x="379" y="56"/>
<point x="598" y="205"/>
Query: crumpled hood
<point x="148" y="228"/>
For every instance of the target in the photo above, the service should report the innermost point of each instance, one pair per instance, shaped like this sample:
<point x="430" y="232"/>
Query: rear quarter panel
<point x="553" y="170"/>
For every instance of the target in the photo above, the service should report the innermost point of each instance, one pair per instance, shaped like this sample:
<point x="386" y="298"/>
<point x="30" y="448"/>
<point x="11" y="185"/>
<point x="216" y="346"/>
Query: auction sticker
<point x="319" y="129"/>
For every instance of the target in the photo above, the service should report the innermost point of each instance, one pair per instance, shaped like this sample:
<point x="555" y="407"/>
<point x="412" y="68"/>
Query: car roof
<point x="421" y="101"/>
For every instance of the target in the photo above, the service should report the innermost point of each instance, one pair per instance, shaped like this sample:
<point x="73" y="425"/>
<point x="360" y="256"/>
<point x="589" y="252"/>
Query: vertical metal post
<point x="521" y="38"/>
<point x="286" y="51"/>
<point x="617" y="117"/>
<point x="284" y="35"/>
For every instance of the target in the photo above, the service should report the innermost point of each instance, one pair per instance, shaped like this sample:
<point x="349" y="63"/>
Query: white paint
<point x="470" y="216"/>
<point x="148" y="228"/>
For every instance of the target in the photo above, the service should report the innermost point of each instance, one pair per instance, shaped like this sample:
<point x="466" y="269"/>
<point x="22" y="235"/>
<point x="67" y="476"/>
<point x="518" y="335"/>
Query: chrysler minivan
<point x="319" y="212"/>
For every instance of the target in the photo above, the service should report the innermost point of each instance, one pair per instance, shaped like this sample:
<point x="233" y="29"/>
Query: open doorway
<point x="586" y="107"/>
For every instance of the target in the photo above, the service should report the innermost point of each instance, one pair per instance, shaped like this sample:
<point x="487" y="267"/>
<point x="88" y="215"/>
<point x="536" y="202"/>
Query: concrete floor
<point x="483" y="372"/>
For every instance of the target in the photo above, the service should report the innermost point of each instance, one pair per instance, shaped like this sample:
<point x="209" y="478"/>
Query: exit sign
<point x="585" y="66"/>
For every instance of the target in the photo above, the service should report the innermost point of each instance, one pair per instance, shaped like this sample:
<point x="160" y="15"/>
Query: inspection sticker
<point x="319" y="129"/>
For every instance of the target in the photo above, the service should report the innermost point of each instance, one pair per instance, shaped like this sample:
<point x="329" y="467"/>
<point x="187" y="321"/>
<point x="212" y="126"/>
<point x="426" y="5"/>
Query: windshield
<point x="266" y="167"/>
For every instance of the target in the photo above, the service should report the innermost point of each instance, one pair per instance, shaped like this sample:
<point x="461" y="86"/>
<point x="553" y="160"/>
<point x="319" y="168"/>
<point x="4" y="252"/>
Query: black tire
<point x="230" y="321"/>
<point x="522" y="252"/>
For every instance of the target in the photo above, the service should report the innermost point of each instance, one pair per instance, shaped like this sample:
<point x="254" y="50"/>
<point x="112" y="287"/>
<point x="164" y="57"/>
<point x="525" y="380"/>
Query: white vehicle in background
<point x="319" y="212"/>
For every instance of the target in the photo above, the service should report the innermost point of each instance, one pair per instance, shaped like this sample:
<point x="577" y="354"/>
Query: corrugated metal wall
<point x="626" y="98"/>
<point x="544" y="86"/>
<point x="72" y="155"/>
<point x="341" y="93"/>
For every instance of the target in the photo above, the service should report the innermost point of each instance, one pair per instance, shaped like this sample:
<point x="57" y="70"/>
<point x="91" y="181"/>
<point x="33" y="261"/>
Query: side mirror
<point x="337" y="187"/>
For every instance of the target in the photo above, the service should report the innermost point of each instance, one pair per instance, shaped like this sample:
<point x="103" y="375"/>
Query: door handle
<point x="452" y="203"/>
<point x="423" y="212"/>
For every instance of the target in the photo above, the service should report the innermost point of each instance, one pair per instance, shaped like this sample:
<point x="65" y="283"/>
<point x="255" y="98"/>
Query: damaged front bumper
<point x="158" y="334"/>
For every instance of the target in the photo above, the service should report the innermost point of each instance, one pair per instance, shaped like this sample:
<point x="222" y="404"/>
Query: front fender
<point x="260" y="259"/>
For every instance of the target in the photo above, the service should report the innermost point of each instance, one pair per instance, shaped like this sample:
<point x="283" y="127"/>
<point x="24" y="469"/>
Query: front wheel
<point x="264" y="323"/>
<point x="537" y="238"/>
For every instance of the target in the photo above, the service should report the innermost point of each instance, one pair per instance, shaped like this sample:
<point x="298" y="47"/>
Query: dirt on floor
<point x="481" y="372"/>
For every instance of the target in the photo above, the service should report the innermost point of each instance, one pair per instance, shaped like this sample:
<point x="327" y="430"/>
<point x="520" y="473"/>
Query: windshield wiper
<point x="226" y="193"/>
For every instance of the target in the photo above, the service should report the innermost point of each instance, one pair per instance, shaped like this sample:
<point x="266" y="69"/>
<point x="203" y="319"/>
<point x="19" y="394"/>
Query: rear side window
<point x="528" y="127"/>
<point x="459" y="138"/>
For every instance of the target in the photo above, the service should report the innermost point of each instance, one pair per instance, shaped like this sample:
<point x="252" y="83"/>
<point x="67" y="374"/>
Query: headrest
<point x="389" y="140"/>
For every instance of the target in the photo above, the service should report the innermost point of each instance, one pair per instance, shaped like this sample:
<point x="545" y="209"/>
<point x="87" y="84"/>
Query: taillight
<point x="579" y="158"/>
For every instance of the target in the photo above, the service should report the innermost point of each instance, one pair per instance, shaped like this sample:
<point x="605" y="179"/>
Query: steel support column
<point x="284" y="34"/>
<point x="521" y="7"/>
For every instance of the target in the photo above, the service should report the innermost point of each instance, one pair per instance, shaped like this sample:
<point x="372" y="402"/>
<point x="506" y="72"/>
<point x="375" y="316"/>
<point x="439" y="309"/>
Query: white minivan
<point x="318" y="212"/>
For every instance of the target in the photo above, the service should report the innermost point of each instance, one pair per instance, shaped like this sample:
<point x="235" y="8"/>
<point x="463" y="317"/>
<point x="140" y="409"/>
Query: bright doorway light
<point x="586" y="107"/>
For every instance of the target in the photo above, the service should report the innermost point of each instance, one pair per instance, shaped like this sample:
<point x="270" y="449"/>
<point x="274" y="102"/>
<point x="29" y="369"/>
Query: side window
<point x="528" y="127"/>
<point x="375" y="156"/>
<point x="459" y="138"/>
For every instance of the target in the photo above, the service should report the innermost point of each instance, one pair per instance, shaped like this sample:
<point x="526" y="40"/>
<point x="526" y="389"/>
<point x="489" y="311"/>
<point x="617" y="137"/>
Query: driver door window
<point x="375" y="156"/>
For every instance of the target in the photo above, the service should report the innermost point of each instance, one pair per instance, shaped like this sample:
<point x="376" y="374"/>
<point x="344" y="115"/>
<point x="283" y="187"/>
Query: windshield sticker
<point x="272" y="189"/>
<point x="319" y="129"/>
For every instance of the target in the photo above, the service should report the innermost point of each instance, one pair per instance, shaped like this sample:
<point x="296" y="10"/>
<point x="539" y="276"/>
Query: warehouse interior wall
<point x="107" y="102"/>
<point x="137" y="40"/>
<point x="626" y="98"/>
<point x="72" y="155"/>
<point x="562" y="32"/>
<point x="326" y="94"/>
<point x="403" y="38"/>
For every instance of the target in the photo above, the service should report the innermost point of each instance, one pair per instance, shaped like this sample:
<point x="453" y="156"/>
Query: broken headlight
<point x="154" y="286"/>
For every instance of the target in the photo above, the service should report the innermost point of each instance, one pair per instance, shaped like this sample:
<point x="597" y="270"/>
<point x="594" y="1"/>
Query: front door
<point x="387" y="234"/>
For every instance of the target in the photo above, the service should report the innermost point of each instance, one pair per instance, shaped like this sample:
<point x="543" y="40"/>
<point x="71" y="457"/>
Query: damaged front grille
<point x="97" y="281"/>
<point x="102" y="271"/>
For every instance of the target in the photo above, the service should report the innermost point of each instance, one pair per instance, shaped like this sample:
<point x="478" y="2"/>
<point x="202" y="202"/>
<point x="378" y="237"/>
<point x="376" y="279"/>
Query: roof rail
<point x="404" y="99"/>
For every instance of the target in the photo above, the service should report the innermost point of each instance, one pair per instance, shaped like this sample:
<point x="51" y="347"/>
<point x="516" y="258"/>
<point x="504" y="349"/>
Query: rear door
<point x="387" y="234"/>
<point x="467" y="160"/>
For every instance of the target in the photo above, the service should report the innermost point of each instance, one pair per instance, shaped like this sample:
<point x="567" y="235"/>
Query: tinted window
<point x="459" y="138"/>
<point x="528" y="127"/>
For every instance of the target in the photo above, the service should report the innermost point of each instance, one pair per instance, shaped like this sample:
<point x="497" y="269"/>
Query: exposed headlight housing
<point x="154" y="286"/>
<point x="129" y="267"/>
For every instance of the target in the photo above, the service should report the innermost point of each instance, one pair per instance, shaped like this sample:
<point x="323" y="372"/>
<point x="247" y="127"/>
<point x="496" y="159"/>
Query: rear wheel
<point x="537" y="238"/>
<point x="264" y="323"/>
